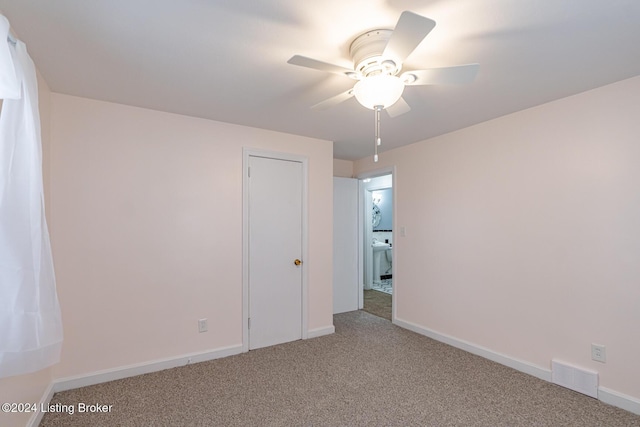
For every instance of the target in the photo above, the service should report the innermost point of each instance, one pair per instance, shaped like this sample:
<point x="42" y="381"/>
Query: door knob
<point x="297" y="262"/>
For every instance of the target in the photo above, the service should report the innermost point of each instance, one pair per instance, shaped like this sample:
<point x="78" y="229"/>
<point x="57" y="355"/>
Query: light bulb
<point x="381" y="89"/>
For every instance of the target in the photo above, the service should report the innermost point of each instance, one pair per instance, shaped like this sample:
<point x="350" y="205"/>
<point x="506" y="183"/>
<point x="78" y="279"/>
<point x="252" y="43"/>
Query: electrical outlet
<point x="202" y="325"/>
<point x="598" y="353"/>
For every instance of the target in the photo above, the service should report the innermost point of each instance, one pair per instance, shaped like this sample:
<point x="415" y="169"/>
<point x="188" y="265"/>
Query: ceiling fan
<point x="377" y="58"/>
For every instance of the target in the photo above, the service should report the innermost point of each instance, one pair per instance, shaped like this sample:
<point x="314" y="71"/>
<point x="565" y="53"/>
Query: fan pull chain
<point x="377" y="141"/>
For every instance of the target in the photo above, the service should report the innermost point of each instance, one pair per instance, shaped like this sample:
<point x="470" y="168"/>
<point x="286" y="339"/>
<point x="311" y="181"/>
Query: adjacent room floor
<point x="377" y="303"/>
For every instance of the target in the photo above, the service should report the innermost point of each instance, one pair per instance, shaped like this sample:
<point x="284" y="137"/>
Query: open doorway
<point x="377" y="244"/>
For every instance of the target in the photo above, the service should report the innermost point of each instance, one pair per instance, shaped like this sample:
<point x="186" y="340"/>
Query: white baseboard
<point x="519" y="365"/>
<point x="121" y="372"/>
<point x="36" y="418"/>
<point x="620" y="400"/>
<point x="605" y="395"/>
<point x="318" y="332"/>
<point x="106" y="375"/>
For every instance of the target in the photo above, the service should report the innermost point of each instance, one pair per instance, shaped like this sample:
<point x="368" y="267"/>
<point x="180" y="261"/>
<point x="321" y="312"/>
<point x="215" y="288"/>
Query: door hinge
<point x="249" y="323"/>
<point x="249" y="171"/>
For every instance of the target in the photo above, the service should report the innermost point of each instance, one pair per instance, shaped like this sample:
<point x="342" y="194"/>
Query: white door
<point x="345" y="245"/>
<point x="275" y="251"/>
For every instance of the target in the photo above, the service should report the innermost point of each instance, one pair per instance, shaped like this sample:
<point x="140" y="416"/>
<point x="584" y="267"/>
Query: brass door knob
<point x="297" y="262"/>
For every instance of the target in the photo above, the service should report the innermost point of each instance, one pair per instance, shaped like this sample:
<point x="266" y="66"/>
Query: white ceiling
<point x="226" y="60"/>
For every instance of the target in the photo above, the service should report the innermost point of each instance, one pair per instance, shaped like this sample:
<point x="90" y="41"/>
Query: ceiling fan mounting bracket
<point x="366" y="51"/>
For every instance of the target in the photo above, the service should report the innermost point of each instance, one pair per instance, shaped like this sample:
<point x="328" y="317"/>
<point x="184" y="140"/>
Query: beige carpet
<point x="369" y="373"/>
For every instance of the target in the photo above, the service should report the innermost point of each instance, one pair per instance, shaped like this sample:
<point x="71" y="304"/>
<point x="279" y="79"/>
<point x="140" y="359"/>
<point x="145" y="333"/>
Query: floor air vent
<point x="574" y="378"/>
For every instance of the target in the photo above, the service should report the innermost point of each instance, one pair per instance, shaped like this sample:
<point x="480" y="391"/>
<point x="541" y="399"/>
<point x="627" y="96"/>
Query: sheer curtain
<point x="30" y="322"/>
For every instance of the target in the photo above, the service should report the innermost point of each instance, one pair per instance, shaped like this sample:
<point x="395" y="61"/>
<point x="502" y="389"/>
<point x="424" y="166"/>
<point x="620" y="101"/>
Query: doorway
<point x="274" y="249"/>
<point x="377" y="244"/>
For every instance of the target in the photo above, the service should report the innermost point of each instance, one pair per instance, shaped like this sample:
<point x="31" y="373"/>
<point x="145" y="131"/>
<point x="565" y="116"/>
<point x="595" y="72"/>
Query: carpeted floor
<point x="369" y="373"/>
<point x="377" y="303"/>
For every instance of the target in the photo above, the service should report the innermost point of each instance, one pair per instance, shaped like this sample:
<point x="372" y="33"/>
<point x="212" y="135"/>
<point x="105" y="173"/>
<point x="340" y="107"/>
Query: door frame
<point x="246" y="154"/>
<point x="362" y="234"/>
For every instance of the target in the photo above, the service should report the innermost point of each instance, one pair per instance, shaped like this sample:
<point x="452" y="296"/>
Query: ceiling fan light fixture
<point x="381" y="89"/>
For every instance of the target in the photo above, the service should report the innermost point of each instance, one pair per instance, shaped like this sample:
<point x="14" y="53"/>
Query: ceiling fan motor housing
<point x="366" y="51"/>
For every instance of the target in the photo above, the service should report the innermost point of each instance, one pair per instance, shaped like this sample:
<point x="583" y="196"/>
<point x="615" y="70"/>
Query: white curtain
<point x="30" y="322"/>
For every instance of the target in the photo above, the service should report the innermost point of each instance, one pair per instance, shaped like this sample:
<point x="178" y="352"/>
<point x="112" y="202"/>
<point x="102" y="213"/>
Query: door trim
<point x="390" y="170"/>
<point x="246" y="154"/>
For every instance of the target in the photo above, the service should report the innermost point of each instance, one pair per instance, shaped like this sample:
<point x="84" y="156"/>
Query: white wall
<point x="147" y="231"/>
<point x="345" y="245"/>
<point x="523" y="233"/>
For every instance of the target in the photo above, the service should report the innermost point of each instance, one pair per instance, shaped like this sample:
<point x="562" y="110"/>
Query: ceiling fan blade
<point x="400" y="107"/>
<point x="303" y="61"/>
<point x="410" y="30"/>
<point x="442" y="76"/>
<point x="335" y="100"/>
